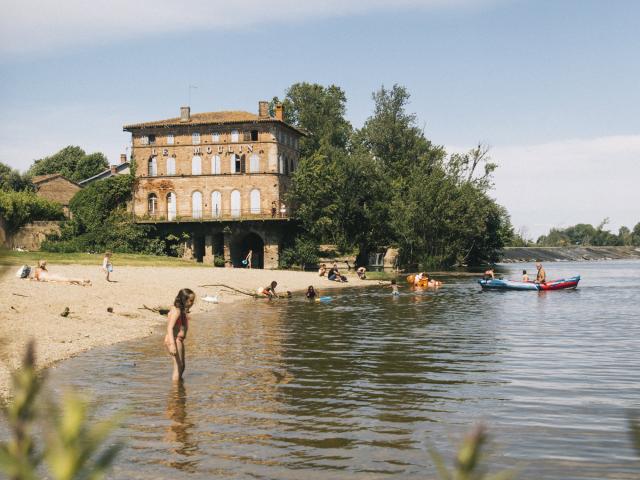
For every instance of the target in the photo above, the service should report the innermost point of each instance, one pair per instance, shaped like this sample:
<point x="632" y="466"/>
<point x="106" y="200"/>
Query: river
<point x="362" y="386"/>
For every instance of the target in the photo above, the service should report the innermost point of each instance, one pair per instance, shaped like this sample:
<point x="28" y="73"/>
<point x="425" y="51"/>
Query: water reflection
<point x="358" y="387"/>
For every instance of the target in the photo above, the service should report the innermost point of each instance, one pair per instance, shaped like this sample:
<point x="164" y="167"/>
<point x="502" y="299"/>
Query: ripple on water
<point x="361" y="386"/>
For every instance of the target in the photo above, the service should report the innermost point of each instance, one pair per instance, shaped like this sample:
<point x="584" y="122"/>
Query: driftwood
<point x="238" y="290"/>
<point x="160" y="310"/>
<point x="20" y="295"/>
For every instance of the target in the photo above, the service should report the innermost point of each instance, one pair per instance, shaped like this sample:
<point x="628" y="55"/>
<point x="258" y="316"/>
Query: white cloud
<point x="44" y="25"/>
<point x="567" y="182"/>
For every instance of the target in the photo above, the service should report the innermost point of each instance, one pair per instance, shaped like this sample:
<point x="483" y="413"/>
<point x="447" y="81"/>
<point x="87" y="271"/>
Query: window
<point x="171" y="166"/>
<point x="152" y="204"/>
<point x="215" y="137"/>
<point x="246" y="136"/>
<point x="152" y="139"/>
<point x="171" y="206"/>
<point x="216" y="204"/>
<point x="196" y="205"/>
<point x="236" y="164"/>
<point x="254" y="163"/>
<point x="255" y="201"/>
<point x="235" y="203"/>
<point x="153" y="167"/>
<point x="235" y="136"/>
<point x="280" y="164"/>
<point x="232" y="163"/>
<point x="144" y="140"/>
<point x="195" y="138"/>
<point x="170" y="139"/>
<point x="215" y="165"/>
<point x="196" y="165"/>
<point x="254" y="135"/>
<point x="286" y="166"/>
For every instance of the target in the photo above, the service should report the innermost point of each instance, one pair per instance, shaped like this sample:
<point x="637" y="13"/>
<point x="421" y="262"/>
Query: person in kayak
<point x="541" y="277"/>
<point x="489" y="274"/>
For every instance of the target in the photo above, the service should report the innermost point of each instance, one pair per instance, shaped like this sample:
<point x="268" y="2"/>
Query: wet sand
<point x="31" y="309"/>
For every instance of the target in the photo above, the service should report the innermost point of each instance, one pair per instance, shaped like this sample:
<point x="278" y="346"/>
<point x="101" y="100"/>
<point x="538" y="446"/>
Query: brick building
<point x="221" y="177"/>
<point x="56" y="188"/>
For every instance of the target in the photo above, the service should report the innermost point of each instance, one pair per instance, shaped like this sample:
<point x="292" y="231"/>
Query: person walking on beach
<point x="247" y="261"/>
<point x="541" y="277"/>
<point x="107" y="266"/>
<point x="177" y="326"/>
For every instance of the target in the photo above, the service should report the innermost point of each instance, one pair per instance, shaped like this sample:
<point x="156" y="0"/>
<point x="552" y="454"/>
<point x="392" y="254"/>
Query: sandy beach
<point x="32" y="309"/>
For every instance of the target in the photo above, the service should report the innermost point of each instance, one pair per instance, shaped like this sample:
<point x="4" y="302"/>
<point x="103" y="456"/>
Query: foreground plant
<point x="72" y="445"/>
<point x="469" y="463"/>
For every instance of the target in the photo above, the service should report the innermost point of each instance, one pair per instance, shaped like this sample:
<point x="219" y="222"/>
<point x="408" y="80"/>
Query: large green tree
<point x="13" y="180"/>
<point x="72" y="162"/>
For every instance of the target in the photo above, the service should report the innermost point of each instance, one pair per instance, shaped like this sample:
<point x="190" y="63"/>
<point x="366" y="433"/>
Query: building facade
<point x="56" y="188"/>
<point x="221" y="177"/>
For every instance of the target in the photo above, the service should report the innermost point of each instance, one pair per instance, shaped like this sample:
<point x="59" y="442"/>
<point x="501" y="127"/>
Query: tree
<point x="72" y="162"/>
<point x="20" y="208"/>
<point x="12" y="180"/>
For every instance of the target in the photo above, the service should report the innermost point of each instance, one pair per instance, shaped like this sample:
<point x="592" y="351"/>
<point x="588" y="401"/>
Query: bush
<point x="20" y="208"/>
<point x="304" y="252"/>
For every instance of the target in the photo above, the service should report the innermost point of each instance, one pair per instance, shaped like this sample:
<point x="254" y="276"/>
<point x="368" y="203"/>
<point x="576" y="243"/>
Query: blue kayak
<point x="561" y="284"/>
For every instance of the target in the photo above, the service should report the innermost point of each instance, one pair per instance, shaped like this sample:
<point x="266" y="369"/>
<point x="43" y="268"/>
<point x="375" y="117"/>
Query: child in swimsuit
<point x="394" y="288"/>
<point x="177" y="326"/>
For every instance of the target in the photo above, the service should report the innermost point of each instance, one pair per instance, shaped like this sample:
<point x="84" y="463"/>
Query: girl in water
<point x="177" y="326"/>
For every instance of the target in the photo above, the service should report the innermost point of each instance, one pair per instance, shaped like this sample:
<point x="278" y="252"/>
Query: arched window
<point x="254" y="164"/>
<point x="235" y="203"/>
<point x="235" y="136"/>
<point x="215" y="165"/>
<point x="216" y="204"/>
<point x="196" y="165"/>
<point x="236" y="163"/>
<point x="286" y="166"/>
<point x="232" y="163"/>
<point x="153" y="167"/>
<point x="196" y="205"/>
<point x="171" y="206"/>
<point x="280" y="164"/>
<point x="171" y="166"/>
<point x="255" y="201"/>
<point x="152" y="204"/>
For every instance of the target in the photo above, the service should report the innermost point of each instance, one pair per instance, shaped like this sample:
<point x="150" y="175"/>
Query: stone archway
<point x="241" y="246"/>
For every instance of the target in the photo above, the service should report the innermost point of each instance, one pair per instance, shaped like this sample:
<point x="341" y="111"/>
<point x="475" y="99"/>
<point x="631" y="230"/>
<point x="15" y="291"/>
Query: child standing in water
<point x="394" y="287"/>
<point x="177" y="326"/>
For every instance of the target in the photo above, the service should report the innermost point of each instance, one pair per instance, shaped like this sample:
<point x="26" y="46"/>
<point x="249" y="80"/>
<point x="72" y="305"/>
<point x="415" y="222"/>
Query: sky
<point x="550" y="86"/>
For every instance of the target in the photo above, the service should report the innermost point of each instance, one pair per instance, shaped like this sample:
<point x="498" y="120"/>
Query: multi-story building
<point x="220" y="177"/>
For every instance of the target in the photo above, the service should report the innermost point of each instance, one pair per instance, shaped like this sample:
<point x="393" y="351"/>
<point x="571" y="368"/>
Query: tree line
<point x="583" y="234"/>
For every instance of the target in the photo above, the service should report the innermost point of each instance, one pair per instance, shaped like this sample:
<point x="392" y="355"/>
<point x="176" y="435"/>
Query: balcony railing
<point x="206" y="215"/>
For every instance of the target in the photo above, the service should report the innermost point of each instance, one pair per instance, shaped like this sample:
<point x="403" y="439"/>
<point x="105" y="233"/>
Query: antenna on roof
<point x="190" y="88"/>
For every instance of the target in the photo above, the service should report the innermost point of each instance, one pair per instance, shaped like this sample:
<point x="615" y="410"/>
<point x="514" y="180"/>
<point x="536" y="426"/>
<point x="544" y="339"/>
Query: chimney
<point x="279" y="112"/>
<point x="185" y="114"/>
<point x="123" y="158"/>
<point x="114" y="169"/>
<point x="263" y="109"/>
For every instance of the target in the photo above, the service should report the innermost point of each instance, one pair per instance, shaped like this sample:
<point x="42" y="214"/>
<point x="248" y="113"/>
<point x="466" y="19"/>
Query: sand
<point x="31" y="309"/>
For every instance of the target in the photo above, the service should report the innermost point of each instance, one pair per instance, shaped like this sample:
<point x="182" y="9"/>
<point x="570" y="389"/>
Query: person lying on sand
<point x="177" y="326"/>
<point x="43" y="275"/>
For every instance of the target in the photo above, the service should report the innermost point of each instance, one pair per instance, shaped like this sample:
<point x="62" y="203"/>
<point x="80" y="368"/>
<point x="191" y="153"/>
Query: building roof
<point x="104" y="174"/>
<point x="45" y="178"/>
<point x="211" y="118"/>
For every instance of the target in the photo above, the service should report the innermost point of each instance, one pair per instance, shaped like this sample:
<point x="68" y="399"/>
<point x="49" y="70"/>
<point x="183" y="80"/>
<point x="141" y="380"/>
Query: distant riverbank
<point x="566" y="254"/>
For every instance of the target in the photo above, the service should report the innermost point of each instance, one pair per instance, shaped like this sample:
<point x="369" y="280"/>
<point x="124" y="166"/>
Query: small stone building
<point x="220" y="177"/>
<point x="56" y="188"/>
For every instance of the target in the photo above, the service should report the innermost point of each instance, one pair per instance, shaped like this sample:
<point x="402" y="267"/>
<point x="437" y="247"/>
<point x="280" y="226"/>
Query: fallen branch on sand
<point x="238" y="290"/>
<point x="20" y="295"/>
<point x="160" y="310"/>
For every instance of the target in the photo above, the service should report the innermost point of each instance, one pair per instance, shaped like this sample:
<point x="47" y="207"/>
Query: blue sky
<point x="552" y="86"/>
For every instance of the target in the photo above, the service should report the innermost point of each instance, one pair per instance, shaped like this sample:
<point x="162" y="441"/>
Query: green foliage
<point x="304" y="252"/>
<point x="12" y="180"/>
<point x="72" y="448"/>
<point x="20" y="208"/>
<point x="585" y="234"/>
<point x="72" y="162"/>
<point x="470" y="464"/>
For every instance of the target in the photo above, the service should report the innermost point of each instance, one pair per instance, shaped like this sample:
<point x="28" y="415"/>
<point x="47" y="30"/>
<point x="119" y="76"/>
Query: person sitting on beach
<point x="331" y="274"/>
<point x="311" y="293"/>
<point x="541" y="277"/>
<point x="361" y="271"/>
<point x="43" y="275"/>
<point x="107" y="266"/>
<point x="269" y="290"/>
<point x="177" y="326"/>
<point x="489" y="274"/>
<point x="525" y="277"/>
<point x="322" y="270"/>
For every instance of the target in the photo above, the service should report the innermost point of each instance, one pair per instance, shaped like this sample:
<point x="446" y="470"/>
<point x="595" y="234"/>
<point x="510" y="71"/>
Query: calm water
<point x="362" y="386"/>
